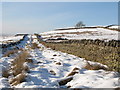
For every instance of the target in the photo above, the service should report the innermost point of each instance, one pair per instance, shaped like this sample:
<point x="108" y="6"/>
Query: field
<point x="103" y="54"/>
<point x="77" y="58"/>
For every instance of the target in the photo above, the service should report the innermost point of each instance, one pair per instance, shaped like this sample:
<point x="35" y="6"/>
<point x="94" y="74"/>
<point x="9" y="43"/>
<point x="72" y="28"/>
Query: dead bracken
<point x="94" y="67"/>
<point x="65" y="81"/>
<point x="74" y="71"/>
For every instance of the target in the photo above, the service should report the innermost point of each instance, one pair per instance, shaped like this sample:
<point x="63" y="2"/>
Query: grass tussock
<point x="5" y="73"/>
<point x="106" y="55"/>
<point x="18" y="79"/>
<point x="65" y="81"/>
<point x="94" y="67"/>
<point x="34" y="46"/>
<point x="18" y="62"/>
<point x="29" y="60"/>
<point x="10" y="52"/>
<point x="74" y="71"/>
<point x="20" y="68"/>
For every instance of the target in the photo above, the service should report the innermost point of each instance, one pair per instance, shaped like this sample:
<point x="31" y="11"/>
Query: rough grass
<point x="18" y="79"/>
<point x="18" y="63"/>
<point x="8" y="53"/>
<point x="94" y="67"/>
<point x="73" y="72"/>
<point x="84" y="32"/>
<point x="103" y="54"/>
<point x="65" y="81"/>
<point x="18" y="68"/>
<point x="29" y="60"/>
<point x="34" y="46"/>
<point x="5" y="73"/>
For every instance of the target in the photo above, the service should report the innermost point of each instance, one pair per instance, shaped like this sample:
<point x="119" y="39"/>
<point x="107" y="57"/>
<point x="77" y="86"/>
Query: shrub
<point x="79" y="24"/>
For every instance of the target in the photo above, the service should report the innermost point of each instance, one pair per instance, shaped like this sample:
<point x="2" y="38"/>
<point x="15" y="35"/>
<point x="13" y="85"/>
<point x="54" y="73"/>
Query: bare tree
<point x="79" y="24"/>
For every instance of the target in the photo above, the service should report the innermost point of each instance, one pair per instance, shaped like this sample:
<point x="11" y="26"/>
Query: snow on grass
<point x="46" y="73"/>
<point x="114" y="27"/>
<point x="4" y="83"/>
<point x="95" y="33"/>
<point x="94" y="79"/>
<point x="13" y="38"/>
<point x="4" y="65"/>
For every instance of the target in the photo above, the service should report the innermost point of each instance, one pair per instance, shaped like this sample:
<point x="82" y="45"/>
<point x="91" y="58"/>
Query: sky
<point x="36" y="17"/>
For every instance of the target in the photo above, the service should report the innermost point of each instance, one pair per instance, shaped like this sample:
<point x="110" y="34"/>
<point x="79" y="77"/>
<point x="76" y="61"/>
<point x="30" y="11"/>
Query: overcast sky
<point x="31" y="17"/>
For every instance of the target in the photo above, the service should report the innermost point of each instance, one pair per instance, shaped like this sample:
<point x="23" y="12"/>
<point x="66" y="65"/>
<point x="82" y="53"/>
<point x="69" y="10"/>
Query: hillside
<point x="83" y="33"/>
<point x="51" y="60"/>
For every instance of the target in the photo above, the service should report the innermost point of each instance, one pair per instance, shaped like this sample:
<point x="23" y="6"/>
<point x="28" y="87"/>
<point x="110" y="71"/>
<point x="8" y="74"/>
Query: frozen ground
<point x="50" y="67"/>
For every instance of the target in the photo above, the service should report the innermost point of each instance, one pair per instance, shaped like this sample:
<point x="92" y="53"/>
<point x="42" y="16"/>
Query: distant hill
<point x="95" y="32"/>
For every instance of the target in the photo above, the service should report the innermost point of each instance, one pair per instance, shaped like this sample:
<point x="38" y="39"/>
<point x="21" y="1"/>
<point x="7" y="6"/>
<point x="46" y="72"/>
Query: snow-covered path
<point x="49" y="67"/>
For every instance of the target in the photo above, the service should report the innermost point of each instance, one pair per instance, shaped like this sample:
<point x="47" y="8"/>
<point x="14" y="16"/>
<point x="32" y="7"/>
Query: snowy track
<point x="52" y="66"/>
<point x="49" y="67"/>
